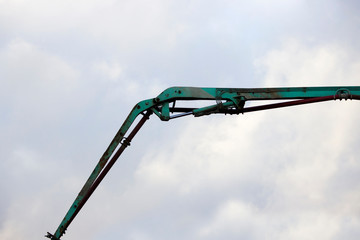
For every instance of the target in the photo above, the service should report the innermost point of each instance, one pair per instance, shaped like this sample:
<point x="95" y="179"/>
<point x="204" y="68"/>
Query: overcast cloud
<point x="70" y="72"/>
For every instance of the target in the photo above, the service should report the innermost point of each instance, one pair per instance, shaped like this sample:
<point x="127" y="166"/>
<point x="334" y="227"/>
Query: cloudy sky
<point x="70" y="72"/>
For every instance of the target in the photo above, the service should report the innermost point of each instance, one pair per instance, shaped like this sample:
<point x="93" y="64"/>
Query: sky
<point x="71" y="71"/>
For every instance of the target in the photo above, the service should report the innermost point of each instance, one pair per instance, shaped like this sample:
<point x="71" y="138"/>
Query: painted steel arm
<point x="227" y="101"/>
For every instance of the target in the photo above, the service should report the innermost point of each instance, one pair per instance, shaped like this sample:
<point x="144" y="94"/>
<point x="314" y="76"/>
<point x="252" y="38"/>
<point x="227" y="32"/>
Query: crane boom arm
<point x="227" y="101"/>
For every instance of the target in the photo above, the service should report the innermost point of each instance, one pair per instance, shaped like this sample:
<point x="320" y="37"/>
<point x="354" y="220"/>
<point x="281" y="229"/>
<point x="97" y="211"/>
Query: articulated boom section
<point x="225" y="100"/>
<point x="232" y="100"/>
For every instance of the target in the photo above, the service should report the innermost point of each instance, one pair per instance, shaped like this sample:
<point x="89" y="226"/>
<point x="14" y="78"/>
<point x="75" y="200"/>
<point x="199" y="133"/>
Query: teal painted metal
<point x="227" y="101"/>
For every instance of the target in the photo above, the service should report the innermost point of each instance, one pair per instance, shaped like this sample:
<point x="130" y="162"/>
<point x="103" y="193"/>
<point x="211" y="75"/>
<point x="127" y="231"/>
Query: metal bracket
<point x="343" y="93"/>
<point x="51" y="236"/>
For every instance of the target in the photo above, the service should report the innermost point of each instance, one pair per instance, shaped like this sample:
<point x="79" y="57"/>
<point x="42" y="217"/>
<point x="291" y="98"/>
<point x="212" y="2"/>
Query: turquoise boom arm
<point x="227" y="101"/>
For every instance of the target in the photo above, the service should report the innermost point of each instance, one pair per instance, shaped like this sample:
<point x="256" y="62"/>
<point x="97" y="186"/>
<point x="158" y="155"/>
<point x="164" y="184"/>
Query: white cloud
<point x="36" y="85"/>
<point x="113" y="71"/>
<point x="281" y="174"/>
<point x="303" y="64"/>
<point x="37" y="92"/>
<point x="234" y="219"/>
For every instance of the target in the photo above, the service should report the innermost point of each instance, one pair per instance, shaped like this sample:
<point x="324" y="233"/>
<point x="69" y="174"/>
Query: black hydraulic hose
<point x="288" y="104"/>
